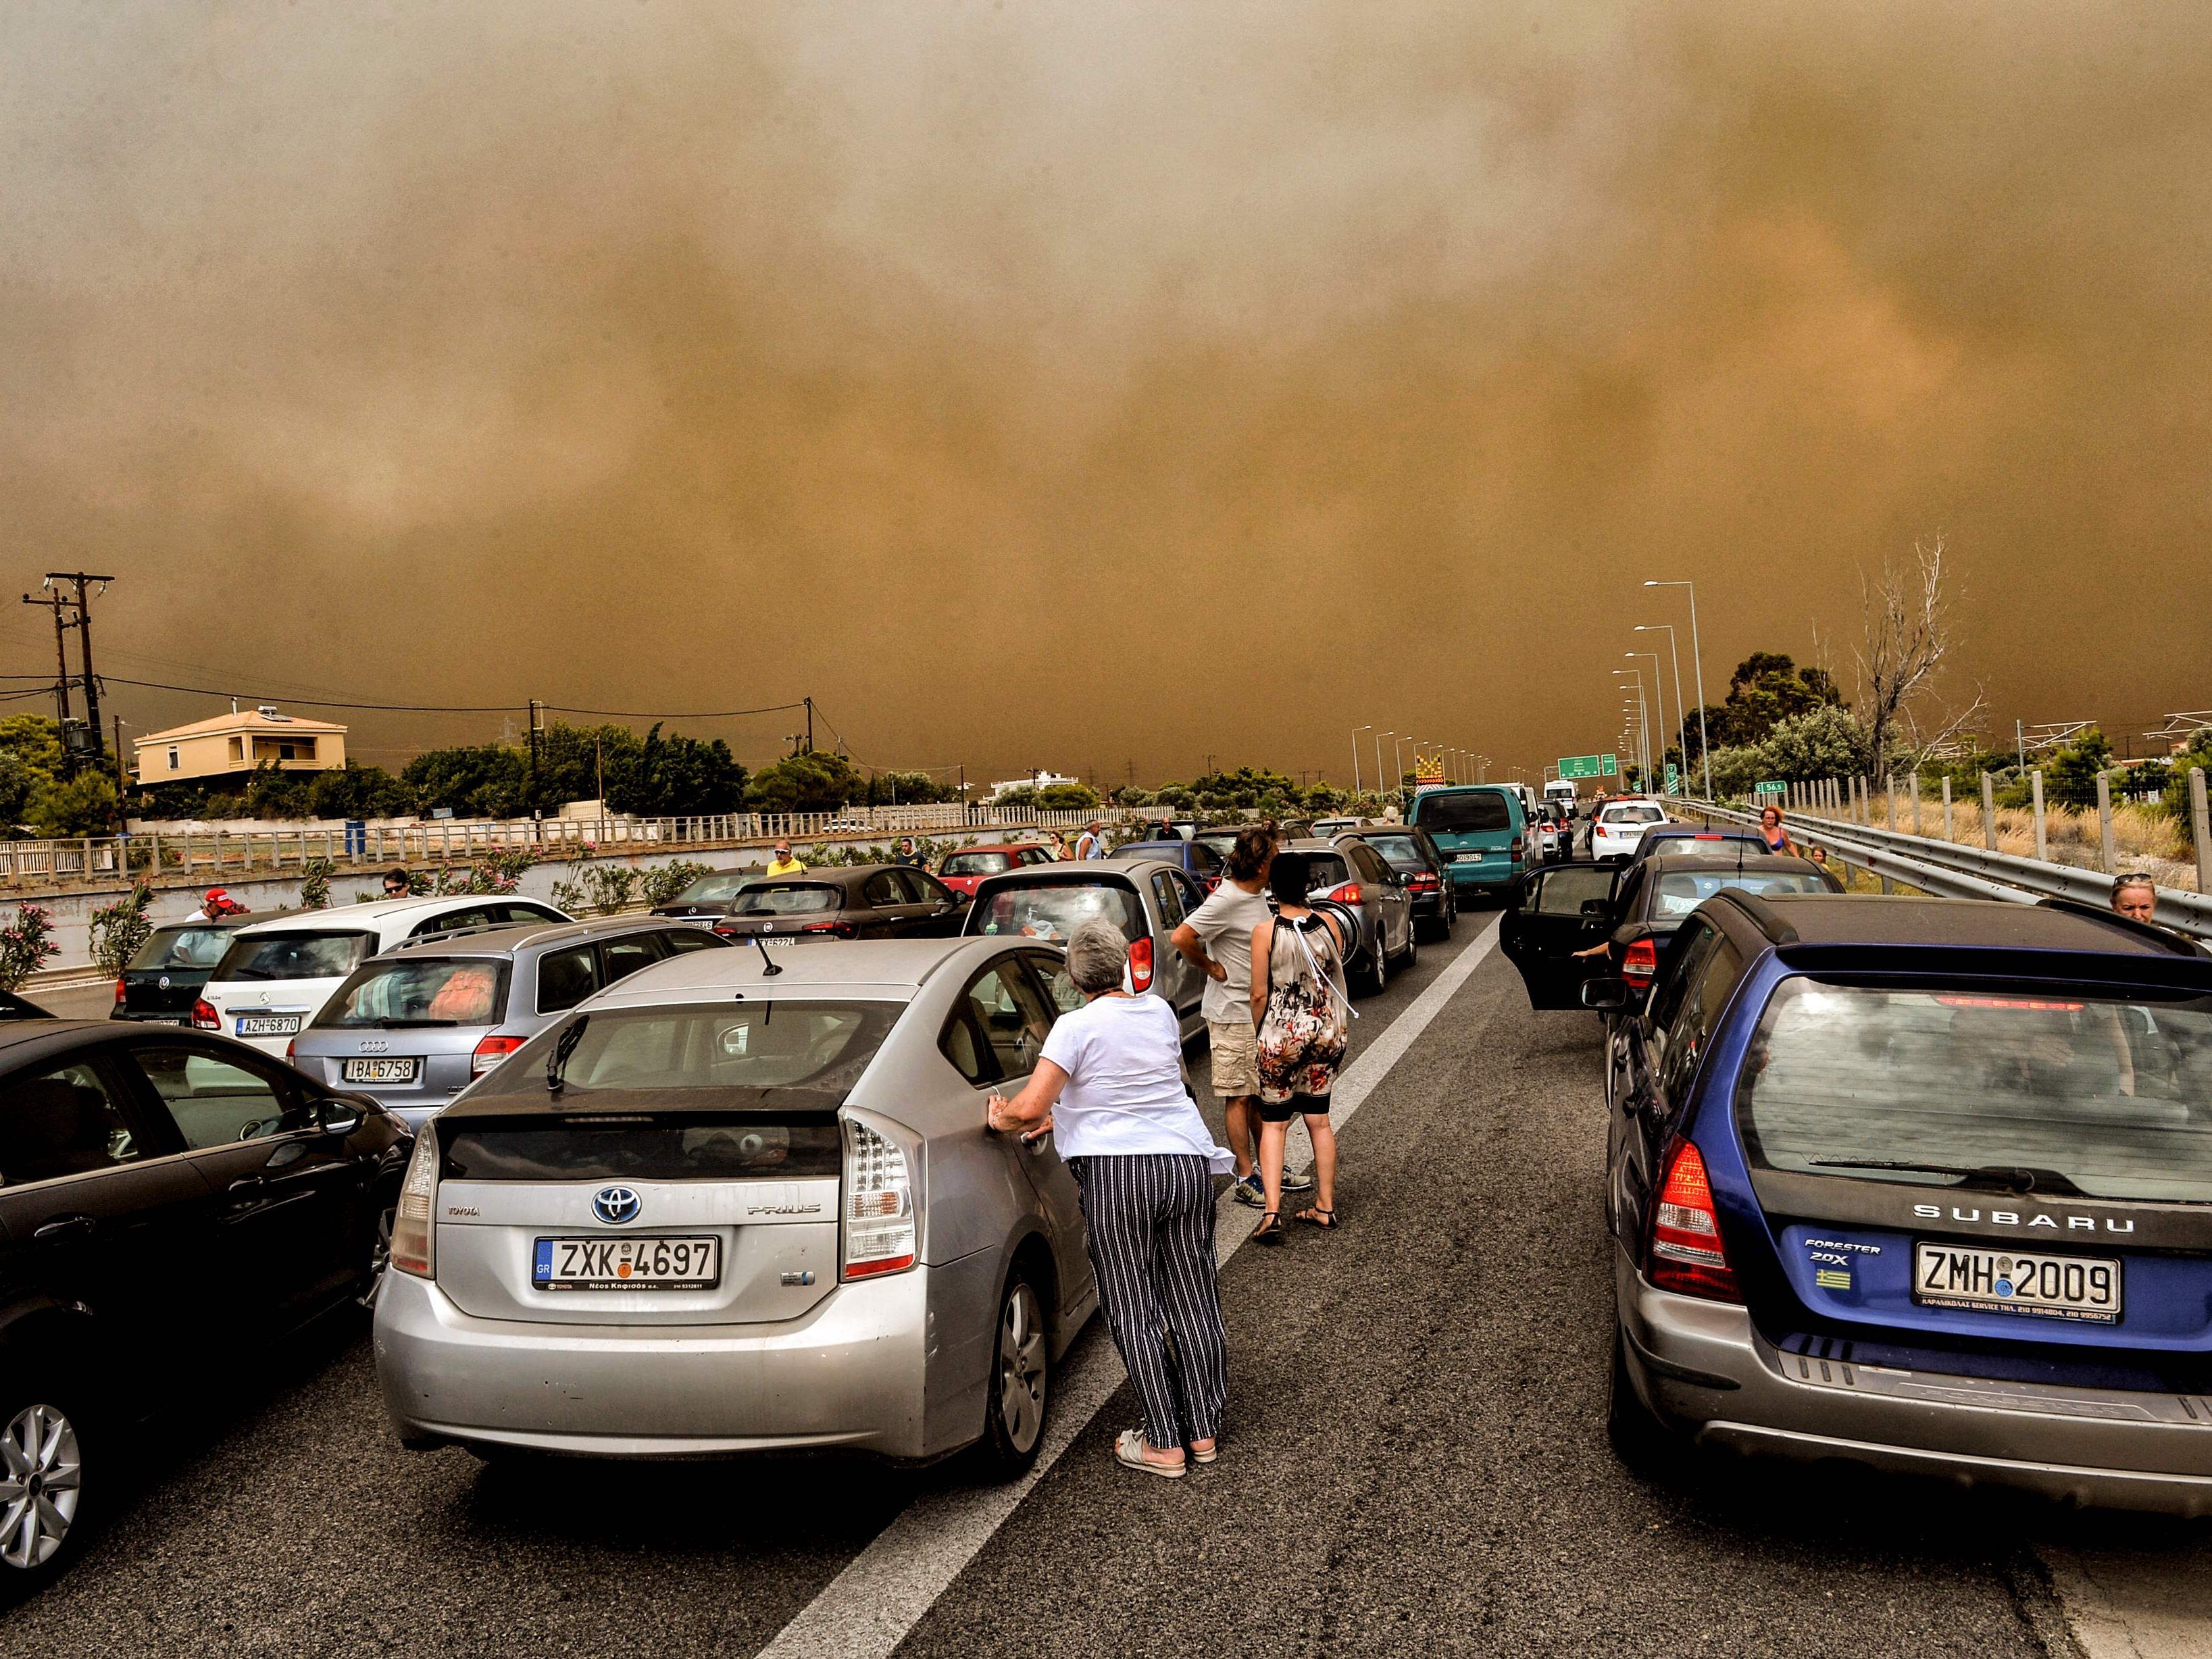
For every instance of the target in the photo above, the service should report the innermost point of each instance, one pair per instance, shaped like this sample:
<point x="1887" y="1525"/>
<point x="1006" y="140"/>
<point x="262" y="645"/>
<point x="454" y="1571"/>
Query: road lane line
<point x="867" y="1610"/>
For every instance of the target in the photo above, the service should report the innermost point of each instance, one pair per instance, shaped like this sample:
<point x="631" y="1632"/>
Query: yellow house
<point x="239" y="742"/>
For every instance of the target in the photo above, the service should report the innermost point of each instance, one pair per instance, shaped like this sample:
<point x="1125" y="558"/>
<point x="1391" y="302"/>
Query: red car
<point x="961" y="871"/>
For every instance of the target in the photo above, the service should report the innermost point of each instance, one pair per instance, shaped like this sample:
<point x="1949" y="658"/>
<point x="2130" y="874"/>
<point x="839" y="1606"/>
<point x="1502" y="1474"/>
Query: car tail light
<point x="879" y="1228"/>
<point x="292" y="1052"/>
<point x="118" y="994"/>
<point x="1516" y="848"/>
<point x="1347" y="894"/>
<point x="205" y="1017"/>
<point x="1141" y="964"/>
<point x="1423" y="883"/>
<point x="1638" y="963"/>
<point x="834" y="929"/>
<point x="1685" y="1252"/>
<point x="414" y="1241"/>
<point x="491" y="1052"/>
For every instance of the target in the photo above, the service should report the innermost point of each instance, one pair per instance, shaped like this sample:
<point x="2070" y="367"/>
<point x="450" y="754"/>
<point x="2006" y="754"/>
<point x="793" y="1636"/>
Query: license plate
<point x="1466" y="858"/>
<point x="381" y="1070"/>
<point x="2083" y="1288"/>
<point x="627" y="1264"/>
<point x="775" y="938"/>
<point x="268" y="1025"/>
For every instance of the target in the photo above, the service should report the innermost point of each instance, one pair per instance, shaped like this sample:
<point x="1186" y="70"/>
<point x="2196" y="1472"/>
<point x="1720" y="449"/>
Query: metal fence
<point x="1954" y="871"/>
<point x="30" y="866"/>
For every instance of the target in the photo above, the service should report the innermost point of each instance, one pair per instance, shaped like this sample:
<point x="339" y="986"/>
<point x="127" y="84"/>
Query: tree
<point x="1907" y="629"/>
<point x="486" y="780"/>
<point x="677" y="776"/>
<point x="2070" y="777"/>
<point x="1066" y="798"/>
<point x="1826" y="742"/>
<point x="86" y="805"/>
<point x="812" y="783"/>
<point x="354" y="791"/>
<point x="1736" y="770"/>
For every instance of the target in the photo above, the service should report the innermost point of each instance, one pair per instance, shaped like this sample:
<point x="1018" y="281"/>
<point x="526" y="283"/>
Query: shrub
<point x="24" y="945"/>
<point x="315" y="885"/>
<point x="661" y="885"/>
<point x="119" y="929"/>
<point x="596" y="889"/>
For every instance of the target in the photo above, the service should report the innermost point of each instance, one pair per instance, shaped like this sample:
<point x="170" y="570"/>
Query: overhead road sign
<point x="1589" y="766"/>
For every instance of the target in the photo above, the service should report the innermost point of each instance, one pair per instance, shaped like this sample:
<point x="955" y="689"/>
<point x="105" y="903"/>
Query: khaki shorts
<point x="1236" y="1048"/>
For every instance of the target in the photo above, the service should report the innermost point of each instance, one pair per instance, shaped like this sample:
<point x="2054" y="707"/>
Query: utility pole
<point x="122" y="775"/>
<point x="61" y="658"/>
<point x="97" y="739"/>
<point x="533" y="757"/>
<point x="810" y="725"/>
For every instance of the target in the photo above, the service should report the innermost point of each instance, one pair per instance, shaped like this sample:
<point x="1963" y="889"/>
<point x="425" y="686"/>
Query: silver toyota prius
<point x="739" y="1203"/>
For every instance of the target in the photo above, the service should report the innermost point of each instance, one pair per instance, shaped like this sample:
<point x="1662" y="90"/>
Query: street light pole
<point x="1682" y="732"/>
<point x="1356" y="730"/>
<point x="1698" y="667"/>
<point x="1379" y="736"/>
<point x="1659" y="697"/>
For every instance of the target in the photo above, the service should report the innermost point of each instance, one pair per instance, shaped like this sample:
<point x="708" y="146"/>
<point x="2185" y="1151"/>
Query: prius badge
<point x="615" y="1205"/>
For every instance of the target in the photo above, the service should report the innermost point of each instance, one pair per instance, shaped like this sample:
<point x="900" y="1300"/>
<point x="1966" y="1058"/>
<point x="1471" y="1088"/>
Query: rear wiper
<point x="1997" y="1177"/>
<point x="570" y="1036"/>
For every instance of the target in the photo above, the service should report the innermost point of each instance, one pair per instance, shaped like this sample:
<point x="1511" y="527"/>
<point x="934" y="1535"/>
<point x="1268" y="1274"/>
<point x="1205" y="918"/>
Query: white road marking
<point x="867" y="1610"/>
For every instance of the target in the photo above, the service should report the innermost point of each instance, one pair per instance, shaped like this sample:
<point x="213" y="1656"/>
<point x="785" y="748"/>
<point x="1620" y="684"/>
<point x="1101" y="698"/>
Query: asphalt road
<point x="1414" y="1457"/>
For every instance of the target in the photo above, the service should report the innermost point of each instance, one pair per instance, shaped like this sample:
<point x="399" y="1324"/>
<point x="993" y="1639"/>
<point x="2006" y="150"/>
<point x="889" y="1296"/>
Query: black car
<point x="1413" y="855"/>
<point x="708" y="897"/>
<point x="162" y="982"/>
<point x="164" y="1196"/>
<point x="858" y="901"/>
<point x="1557" y="912"/>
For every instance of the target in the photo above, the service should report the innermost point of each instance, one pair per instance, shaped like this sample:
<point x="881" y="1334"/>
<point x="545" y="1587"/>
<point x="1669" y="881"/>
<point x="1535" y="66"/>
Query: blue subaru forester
<point x="1925" y="1184"/>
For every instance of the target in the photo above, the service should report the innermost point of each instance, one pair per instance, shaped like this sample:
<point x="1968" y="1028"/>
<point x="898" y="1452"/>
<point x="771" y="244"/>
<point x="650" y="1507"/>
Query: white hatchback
<point x="277" y="974"/>
<point x="1620" y="825"/>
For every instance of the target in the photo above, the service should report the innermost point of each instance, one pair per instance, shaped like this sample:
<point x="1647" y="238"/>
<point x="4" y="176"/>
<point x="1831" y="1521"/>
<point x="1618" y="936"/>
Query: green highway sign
<point x="1674" y="778"/>
<point x="1587" y="766"/>
<point x="1775" y="787"/>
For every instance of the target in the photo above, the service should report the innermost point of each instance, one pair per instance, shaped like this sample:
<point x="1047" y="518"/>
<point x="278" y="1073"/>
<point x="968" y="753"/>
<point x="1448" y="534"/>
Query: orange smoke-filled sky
<point x="1100" y="388"/>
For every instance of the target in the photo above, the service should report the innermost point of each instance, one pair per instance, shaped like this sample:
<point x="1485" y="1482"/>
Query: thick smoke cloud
<point x="1076" y="384"/>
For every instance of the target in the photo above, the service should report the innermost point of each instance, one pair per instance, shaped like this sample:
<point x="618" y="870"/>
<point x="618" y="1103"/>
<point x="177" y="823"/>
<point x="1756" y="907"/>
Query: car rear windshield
<point x="1054" y="912"/>
<point x="978" y="864"/>
<point x="1682" y="891"/>
<point x="770" y="1044"/>
<point x="1401" y="850"/>
<point x="293" y="956"/>
<point x="1631" y="815"/>
<point x="1459" y="815"/>
<point x="183" y="947"/>
<point x="2058" y="1094"/>
<point x="421" y="991"/>
<point x="711" y="889"/>
<point x="1325" y="871"/>
<point x="784" y="899"/>
<point x="687" y="1147"/>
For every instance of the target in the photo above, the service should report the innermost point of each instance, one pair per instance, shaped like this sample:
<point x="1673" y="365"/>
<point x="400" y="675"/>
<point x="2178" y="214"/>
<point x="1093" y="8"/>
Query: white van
<point x="276" y="975"/>
<point x="1564" y="791"/>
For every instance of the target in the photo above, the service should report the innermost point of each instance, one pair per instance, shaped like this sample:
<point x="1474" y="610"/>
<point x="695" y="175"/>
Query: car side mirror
<point x="339" y="1117"/>
<point x="1598" y="907"/>
<point x="1607" y="995"/>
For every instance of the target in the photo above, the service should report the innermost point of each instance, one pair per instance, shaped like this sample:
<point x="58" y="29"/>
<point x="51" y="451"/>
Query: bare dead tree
<point x="1907" y="627"/>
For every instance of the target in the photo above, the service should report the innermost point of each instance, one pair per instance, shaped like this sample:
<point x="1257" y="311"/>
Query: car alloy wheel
<point x="40" y="1486"/>
<point x="1021" y="1381"/>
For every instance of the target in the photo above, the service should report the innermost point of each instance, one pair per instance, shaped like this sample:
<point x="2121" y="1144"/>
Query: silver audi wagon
<point x="736" y="1203"/>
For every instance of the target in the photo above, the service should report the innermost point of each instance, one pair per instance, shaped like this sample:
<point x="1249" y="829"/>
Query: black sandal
<point x="1312" y="1218"/>
<point x="1270" y="1229"/>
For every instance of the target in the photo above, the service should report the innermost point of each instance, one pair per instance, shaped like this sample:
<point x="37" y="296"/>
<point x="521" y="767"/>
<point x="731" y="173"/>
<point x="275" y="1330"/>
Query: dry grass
<point x="2145" y="838"/>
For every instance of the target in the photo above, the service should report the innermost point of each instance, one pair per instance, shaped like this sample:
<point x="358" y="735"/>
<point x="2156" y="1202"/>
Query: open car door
<point x="1546" y="923"/>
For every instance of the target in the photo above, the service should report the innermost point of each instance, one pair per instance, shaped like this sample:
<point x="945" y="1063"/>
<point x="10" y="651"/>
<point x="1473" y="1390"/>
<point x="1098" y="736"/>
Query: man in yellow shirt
<point x="783" y="864"/>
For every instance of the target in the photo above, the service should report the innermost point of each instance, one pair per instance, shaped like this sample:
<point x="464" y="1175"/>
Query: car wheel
<point x="1639" y="1439"/>
<point x="379" y="1252"/>
<point x="43" y="1518"/>
<point x="1021" y="1383"/>
<point x="1375" y="966"/>
<point x="1413" y="946"/>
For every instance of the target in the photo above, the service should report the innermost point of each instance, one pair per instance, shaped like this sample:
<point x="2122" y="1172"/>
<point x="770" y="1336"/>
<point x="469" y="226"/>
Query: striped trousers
<point x="1151" y="1218"/>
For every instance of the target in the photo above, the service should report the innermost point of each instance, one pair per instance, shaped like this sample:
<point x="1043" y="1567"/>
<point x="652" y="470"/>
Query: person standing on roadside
<point x="1301" y="1009"/>
<point x="2135" y="896"/>
<point x="783" y="864"/>
<point x="906" y="853"/>
<point x="1216" y="939"/>
<point x="1092" y="844"/>
<point x="1109" y="1084"/>
<point x="1772" y="832"/>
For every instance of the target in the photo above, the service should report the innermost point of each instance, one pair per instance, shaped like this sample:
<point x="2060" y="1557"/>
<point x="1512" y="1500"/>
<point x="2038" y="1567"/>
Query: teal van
<point x="1481" y="828"/>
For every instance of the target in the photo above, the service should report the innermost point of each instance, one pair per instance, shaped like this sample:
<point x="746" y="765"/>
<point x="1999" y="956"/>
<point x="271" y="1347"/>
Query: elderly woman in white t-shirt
<point x="1109" y="1085"/>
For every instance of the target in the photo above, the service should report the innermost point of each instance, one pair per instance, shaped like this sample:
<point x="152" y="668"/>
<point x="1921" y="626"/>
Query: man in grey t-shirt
<point x="1216" y="939"/>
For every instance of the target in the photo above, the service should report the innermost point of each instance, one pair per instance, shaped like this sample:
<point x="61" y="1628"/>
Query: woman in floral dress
<point x="1300" y="1008"/>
